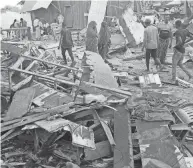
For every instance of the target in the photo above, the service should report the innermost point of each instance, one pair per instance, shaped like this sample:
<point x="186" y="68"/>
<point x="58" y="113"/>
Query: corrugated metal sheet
<point x="41" y="4"/>
<point x="34" y="5"/>
<point x="78" y="8"/>
<point x="28" y="5"/>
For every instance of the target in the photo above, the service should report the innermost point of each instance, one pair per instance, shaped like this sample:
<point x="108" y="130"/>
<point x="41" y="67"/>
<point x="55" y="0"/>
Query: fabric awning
<point x="34" y="5"/>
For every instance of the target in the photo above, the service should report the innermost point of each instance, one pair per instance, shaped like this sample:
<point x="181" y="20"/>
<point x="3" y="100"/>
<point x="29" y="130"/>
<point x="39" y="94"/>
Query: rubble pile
<point x="88" y="113"/>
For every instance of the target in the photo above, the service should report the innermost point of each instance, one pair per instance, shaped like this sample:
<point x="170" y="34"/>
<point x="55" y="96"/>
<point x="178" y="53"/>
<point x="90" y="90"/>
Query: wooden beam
<point x="62" y="66"/>
<point x="14" y="29"/>
<point x="109" y="89"/>
<point x="44" y="76"/>
<point x="73" y="84"/>
<point x="30" y="119"/>
<point x="22" y="83"/>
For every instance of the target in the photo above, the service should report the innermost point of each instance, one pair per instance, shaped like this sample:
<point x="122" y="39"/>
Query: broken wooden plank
<point x="12" y="164"/>
<point x="37" y="117"/>
<point x="7" y="133"/>
<point x="157" y="79"/>
<point x="103" y="149"/>
<point x="22" y="83"/>
<point x="21" y="103"/>
<point x="106" y="129"/>
<point x="34" y="62"/>
<point x="73" y="84"/>
<point x="108" y="89"/>
<point x="47" y="62"/>
<point x="43" y="76"/>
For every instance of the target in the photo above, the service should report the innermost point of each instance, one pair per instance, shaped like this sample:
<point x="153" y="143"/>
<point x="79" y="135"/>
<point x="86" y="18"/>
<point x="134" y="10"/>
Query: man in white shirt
<point x="150" y="43"/>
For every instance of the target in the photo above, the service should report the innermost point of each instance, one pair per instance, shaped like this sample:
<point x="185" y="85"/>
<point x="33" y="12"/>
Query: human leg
<point x="64" y="55"/>
<point x="164" y="48"/>
<point x="147" y="57"/>
<point x="180" y="63"/>
<point x="154" y="56"/>
<point x="175" y="60"/>
<point x="70" y="54"/>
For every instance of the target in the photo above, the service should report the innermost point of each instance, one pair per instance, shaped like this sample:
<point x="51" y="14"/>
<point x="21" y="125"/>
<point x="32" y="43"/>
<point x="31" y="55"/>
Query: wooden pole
<point x="73" y="84"/>
<point x="44" y="76"/>
<point x="62" y="66"/>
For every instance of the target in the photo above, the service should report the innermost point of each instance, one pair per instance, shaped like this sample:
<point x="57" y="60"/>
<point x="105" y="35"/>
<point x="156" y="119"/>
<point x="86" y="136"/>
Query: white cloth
<point x="36" y="22"/>
<point x="60" y="19"/>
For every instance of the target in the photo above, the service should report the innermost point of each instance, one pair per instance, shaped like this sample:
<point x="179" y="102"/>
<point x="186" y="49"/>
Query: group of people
<point x="98" y="43"/>
<point x="41" y="28"/>
<point x="44" y="28"/>
<point x="20" y="34"/>
<point x="157" y="40"/>
<point x="94" y="42"/>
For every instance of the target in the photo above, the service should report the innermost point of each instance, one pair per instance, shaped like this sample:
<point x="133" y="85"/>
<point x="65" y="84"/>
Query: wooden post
<point x="62" y="66"/>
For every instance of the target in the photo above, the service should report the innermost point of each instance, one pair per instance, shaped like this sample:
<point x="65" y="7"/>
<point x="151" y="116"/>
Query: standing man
<point x="60" y="19"/>
<point x="179" y="49"/>
<point x="37" y="28"/>
<point x="66" y="43"/>
<point x="16" y="24"/>
<point x="165" y="39"/>
<point x="23" y="24"/>
<point x="150" y="43"/>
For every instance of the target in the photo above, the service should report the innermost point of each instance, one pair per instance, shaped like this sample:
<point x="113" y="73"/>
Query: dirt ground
<point x="138" y="67"/>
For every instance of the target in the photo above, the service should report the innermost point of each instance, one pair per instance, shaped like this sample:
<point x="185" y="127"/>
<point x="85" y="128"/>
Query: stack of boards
<point x="150" y="81"/>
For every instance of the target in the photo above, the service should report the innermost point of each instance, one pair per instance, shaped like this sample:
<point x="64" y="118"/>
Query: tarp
<point x="34" y="5"/>
<point x="97" y="12"/>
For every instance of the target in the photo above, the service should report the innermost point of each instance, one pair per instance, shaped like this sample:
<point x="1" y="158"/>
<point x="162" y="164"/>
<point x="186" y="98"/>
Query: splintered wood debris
<point x="91" y="112"/>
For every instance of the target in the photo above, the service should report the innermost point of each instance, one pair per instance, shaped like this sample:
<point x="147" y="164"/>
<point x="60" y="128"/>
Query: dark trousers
<point x="152" y="53"/>
<point x="69" y="52"/>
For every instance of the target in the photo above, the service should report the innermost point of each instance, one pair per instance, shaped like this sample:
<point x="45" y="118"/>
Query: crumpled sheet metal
<point x="185" y="114"/>
<point x="157" y="146"/>
<point x="147" y="113"/>
<point x="81" y="136"/>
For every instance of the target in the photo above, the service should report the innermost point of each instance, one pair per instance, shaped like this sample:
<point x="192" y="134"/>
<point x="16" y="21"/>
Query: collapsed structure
<point x="91" y="113"/>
